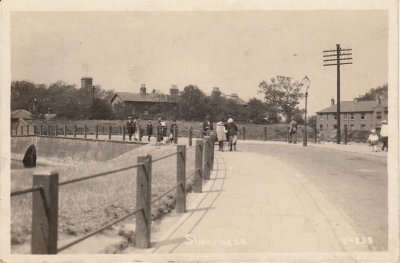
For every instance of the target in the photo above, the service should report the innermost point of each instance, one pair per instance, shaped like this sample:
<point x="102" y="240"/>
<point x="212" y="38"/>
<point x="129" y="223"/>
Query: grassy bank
<point x="88" y="205"/>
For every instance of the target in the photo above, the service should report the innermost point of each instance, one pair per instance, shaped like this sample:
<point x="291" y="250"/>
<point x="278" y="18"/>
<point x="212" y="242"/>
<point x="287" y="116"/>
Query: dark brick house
<point x="145" y="104"/>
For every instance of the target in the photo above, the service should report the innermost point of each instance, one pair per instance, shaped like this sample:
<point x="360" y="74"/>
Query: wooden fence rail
<point x="250" y="132"/>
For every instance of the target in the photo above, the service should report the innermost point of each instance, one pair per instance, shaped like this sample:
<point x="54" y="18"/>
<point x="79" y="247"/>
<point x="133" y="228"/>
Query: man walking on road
<point x="384" y="135"/>
<point x="131" y="127"/>
<point x="293" y="131"/>
<point x="149" y="129"/>
<point x="232" y="134"/>
<point x="207" y="126"/>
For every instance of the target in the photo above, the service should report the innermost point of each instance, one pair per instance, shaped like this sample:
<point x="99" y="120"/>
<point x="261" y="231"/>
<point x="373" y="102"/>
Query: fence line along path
<point x="45" y="193"/>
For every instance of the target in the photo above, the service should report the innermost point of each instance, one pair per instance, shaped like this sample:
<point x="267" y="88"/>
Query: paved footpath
<point x="255" y="204"/>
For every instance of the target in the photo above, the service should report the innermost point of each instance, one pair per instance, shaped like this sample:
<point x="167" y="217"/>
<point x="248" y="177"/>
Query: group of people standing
<point x="137" y="132"/>
<point x="225" y="131"/>
<point x="373" y="138"/>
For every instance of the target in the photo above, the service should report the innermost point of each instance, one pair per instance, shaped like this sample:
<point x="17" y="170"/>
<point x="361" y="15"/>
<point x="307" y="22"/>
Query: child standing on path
<point x="172" y="129"/>
<point x="373" y="140"/>
<point x="221" y="135"/>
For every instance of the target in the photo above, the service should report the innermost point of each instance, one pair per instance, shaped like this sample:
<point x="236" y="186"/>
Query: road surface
<point x="355" y="183"/>
<point x="282" y="198"/>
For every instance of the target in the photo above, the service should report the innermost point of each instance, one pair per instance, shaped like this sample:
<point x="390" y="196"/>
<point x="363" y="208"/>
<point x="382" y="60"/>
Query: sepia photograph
<point x="209" y="132"/>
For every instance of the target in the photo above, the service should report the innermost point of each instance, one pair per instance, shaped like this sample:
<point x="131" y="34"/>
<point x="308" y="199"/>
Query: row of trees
<point x="281" y="98"/>
<point x="65" y="100"/>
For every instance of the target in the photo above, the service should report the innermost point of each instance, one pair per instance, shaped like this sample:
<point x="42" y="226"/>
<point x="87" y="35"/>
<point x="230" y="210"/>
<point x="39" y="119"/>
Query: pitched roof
<point x="353" y="106"/>
<point x="236" y="99"/>
<point x="21" y="114"/>
<point x="137" y="97"/>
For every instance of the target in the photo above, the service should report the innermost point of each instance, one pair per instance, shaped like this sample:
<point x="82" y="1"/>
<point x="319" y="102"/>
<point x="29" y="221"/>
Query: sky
<point x="232" y="50"/>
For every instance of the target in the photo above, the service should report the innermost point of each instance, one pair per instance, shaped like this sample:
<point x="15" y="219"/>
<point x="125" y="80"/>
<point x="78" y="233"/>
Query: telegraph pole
<point x="341" y="55"/>
<point x="92" y="102"/>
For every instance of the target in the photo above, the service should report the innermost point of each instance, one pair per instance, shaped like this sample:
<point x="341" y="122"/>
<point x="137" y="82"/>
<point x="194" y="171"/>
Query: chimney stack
<point x="143" y="89"/>
<point x="215" y="93"/>
<point x="174" y="92"/>
<point x="332" y="102"/>
<point x="86" y="83"/>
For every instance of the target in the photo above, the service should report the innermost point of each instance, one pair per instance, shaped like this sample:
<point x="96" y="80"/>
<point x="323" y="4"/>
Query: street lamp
<point x="306" y="81"/>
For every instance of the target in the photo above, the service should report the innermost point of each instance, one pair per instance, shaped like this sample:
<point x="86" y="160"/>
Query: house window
<point x="363" y="116"/>
<point x="352" y="116"/>
<point x="351" y="126"/>
<point x="334" y="126"/>
<point x="320" y="127"/>
<point x="345" y="116"/>
<point x="379" y="115"/>
<point x="363" y="127"/>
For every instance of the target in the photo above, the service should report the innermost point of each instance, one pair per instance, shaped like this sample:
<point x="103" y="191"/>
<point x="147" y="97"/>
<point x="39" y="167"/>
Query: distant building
<point x="21" y="114"/>
<point x="354" y="115"/>
<point x="20" y="118"/>
<point x="142" y="103"/>
<point x="216" y="93"/>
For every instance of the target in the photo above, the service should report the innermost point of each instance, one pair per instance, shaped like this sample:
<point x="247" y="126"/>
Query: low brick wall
<point x="71" y="149"/>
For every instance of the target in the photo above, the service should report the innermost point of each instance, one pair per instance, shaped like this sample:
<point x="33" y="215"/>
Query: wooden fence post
<point x="190" y="136"/>
<point x="85" y="131"/>
<point x="212" y="142"/>
<point x="97" y="132"/>
<point x="175" y="135"/>
<point x="56" y="132"/>
<point x="315" y="134"/>
<point x="48" y="130"/>
<point x="74" y="130"/>
<point x="265" y="133"/>
<point x="158" y="130"/>
<point x="244" y="133"/>
<point x="123" y="132"/>
<point x="41" y="129"/>
<point x="345" y="134"/>
<point x="206" y="158"/>
<point x="180" y="206"/>
<point x="289" y="140"/>
<point x="65" y="130"/>
<point x="102" y="130"/>
<point x="198" y="167"/>
<point x="109" y="132"/>
<point x="143" y="201"/>
<point x="45" y="213"/>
